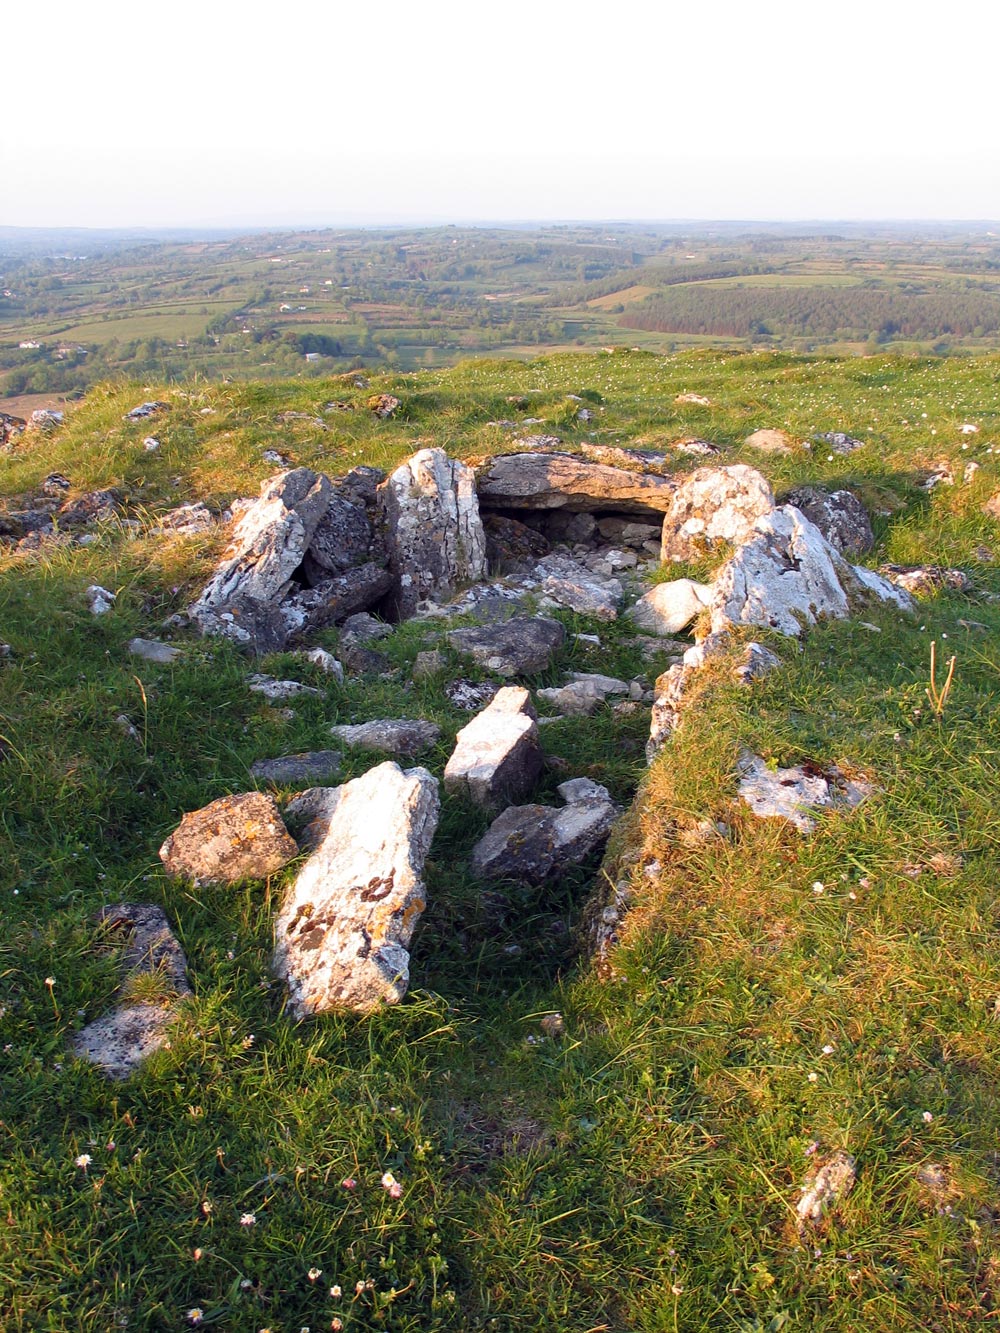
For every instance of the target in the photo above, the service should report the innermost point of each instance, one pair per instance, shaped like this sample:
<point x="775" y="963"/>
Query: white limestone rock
<point x="671" y="607"/>
<point x="793" y="793"/>
<point x="343" y="933"/>
<point x="583" y="695"/>
<point x="497" y="756"/>
<point x="434" y="535"/>
<point x="711" y="506"/>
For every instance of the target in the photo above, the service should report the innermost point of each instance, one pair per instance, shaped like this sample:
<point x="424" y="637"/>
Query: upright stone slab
<point x="497" y="756"/>
<point x="255" y="573"/>
<point x="342" y="936"/>
<point x="434" y="534"/>
<point x="714" y="505"/>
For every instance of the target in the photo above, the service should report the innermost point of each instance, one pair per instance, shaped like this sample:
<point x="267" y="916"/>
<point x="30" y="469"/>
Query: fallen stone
<point x="187" y="520"/>
<point x="268" y="545"/>
<point x="697" y="448"/>
<point x="145" y="410"/>
<point x="343" y="933"/>
<point x="151" y="444"/>
<point x="334" y="599"/>
<point x="364" y="626"/>
<point x="93" y="507"/>
<point x="45" y="419"/>
<point x="671" y="607"/>
<point x="833" y="1182"/>
<point x="509" y="541"/>
<point x="99" y="599"/>
<point x="317" y="766"/>
<point x="497" y="756"/>
<point x="927" y="580"/>
<point x="583" y="695"/>
<point x="398" y="736"/>
<point x="838" y="442"/>
<point x="276" y="691"/>
<point x="792" y="793"/>
<point x="969" y="474"/>
<point x="434" y="535"/>
<point x="695" y="399"/>
<point x="600" y="598"/>
<point x="152" y="650"/>
<point x="429" y="663"/>
<point x="536" y="843"/>
<point x="120" y="1041"/>
<point x="771" y="441"/>
<point x="383" y="405"/>
<point x="470" y="694"/>
<point x="128" y="729"/>
<point x="517" y="647"/>
<point x="714" y="505"/>
<point x="326" y="662"/>
<point x="788" y="576"/>
<point x="563" y="481"/>
<point x="942" y="475"/>
<point x="232" y="839"/>
<point x="839" y="515"/>
<point x="360" y="660"/>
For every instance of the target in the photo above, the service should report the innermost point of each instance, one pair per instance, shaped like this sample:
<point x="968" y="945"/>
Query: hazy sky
<point x="216" y="113"/>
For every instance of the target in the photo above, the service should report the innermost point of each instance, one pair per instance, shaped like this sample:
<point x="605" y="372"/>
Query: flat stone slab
<point x="343" y="932"/>
<point x="232" y="839"/>
<point x="793" y="793"/>
<point x="392" y="735"/>
<point x="153" y="650"/>
<point x="517" y="647"/>
<point x="497" y="756"/>
<point x="278" y="691"/>
<point x="312" y="766"/>
<point x="564" y="481"/>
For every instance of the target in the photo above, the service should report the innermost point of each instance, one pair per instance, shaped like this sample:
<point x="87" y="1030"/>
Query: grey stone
<point x="121" y="1040"/>
<point x="99" y="599"/>
<point x="277" y="691"/>
<point x="497" y="756"/>
<point x="343" y="932"/>
<point x="838" y="442"/>
<point x="927" y="580"/>
<point x="536" y="843"/>
<point x="470" y="694"/>
<point x="187" y="520"/>
<point x="334" y="599"/>
<point x="342" y="539"/>
<point x="563" y="481"/>
<point x="793" y="793"/>
<point x="755" y="663"/>
<point x="429" y="663"/>
<point x="434" y="534"/>
<point x="326" y="662"/>
<point x="398" y="736"/>
<point x="839" y="515"/>
<point x="93" y="507"/>
<point x="833" y="1181"/>
<point x="517" y="647"/>
<point x="231" y="839"/>
<point x="671" y="607"/>
<point x="146" y="410"/>
<point x="364" y="626"/>
<point x="152" y="650"/>
<point x="288" y="769"/>
<point x="583" y="695"/>
<point x="771" y="441"/>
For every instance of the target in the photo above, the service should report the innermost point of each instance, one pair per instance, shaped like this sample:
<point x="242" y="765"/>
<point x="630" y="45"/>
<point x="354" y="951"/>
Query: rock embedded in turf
<point x="838" y="442"/>
<point x="521" y="646"/>
<point x="839" y="515"/>
<point x="400" y="736"/>
<point x="99" y="599"/>
<point x="93" y="507"/>
<point x="232" y="839"/>
<point x="187" y="520"/>
<point x="119" y="1041"/>
<point x="536" y="843"/>
<point x="326" y="662"/>
<point x="788" y="576"/>
<point x="153" y="650"/>
<point x="771" y="441"/>
<point x="755" y="663"/>
<point x="793" y="793"/>
<point x="927" y="580"/>
<point x="497" y="756"/>
<point x="276" y="691"/>
<point x="670" y="607"/>
<point x="434" y="534"/>
<point x="713" y="507"/>
<point x="316" y="766"/>
<point x="564" y="481"/>
<point x="832" y="1182"/>
<point x="343" y="933"/>
<point x="992" y="506"/>
<point x="585" y="592"/>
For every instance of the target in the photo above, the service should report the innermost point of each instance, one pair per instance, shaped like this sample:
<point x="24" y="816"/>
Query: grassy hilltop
<point x="775" y="996"/>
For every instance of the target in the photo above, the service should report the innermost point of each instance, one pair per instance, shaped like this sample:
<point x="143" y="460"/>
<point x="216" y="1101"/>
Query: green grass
<point x="641" y="1171"/>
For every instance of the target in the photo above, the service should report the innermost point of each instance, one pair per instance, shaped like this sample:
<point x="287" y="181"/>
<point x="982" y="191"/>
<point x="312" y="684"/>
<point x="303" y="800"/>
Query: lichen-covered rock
<point x="926" y="580"/>
<point x="268" y="545"/>
<point x="497" y="756"/>
<point x="434" y="534"/>
<point x="119" y="1041"/>
<point x="278" y="691"/>
<point x="99" y="599"/>
<point x="291" y="769"/>
<point x="399" y="736"/>
<point x="334" y="599"/>
<point x="585" y="593"/>
<point x="793" y="793"/>
<point x="839" y="515"/>
<point x="714" y="505"/>
<point x="535" y="843"/>
<point x="788" y="575"/>
<point x="563" y="481"/>
<point x="343" y="933"/>
<point x="518" y="647"/>
<point x="153" y="650"/>
<point x="671" y="607"/>
<point x="342" y="539"/>
<point x="233" y="838"/>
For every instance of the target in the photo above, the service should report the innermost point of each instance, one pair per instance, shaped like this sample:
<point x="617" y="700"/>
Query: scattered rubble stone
<point x="398" y="736"/>
<point x="583" y="695"/>
<point x="771" y="441"/>
<point x="119" y="1042"/>
<point x="146" y="410"/>
<point x="326" y="662"/>
<point x="832" y="1182"/>
<point x="671" y="607"/>
<point x="497" y="756"/>
<point x="317" y="766"/>
<point x="695" y="399"/>
<point x="536" y="843"/>
<point x="231" y="839"/>
<point x="429" y="663"/>
<point x="471" y="694"/>
<point x="926" y="580"/>
<point x="56" y="485"/>
<point x="838" y="442"/>
<point x="517" y="647"/>
<point x="187" y="520"/>
<point x="153" y="650"/>
<point x="343" y="932"/>
<point x="383" y="405"/>
<point x="276" y="691"/>
<point x="99" y="599"/>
